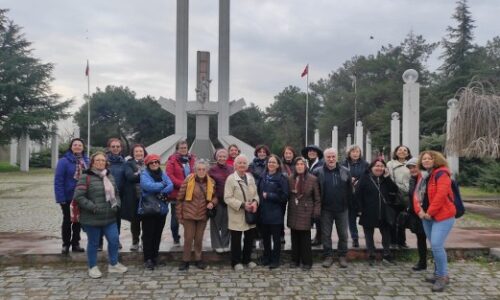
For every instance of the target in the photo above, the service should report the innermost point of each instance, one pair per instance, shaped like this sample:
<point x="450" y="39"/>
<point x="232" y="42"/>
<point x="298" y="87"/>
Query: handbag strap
<point x="243" y="192"/>
<point x="378" y="189"/>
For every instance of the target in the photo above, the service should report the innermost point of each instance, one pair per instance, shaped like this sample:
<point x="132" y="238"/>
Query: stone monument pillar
<point x="411" y="111"/>
<point x="359" y="135"/>
<point x="13" y="152"/>
<point x="368" y="151"/>
<point x="452" y="158"/>
<point x="181" y="67"/>
<point x="316" y="137"/>
<point x="335" y="138"/>
<point x="54" y="146"/>
<point x="348" y="142"/>
<point x="223" y="84"/>
<point x="395" y="133"/>
<point x="24" y="153"/>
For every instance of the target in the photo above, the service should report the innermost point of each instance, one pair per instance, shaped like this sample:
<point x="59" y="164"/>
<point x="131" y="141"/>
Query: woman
<point x="240" y="195"/>
<point x="219" y="233"/>
<point x="288" y="156"/>
<point x="195" y="197"/>
<point x="99" y="202"/>
<point x="233" y="151"/>
<point x="153" y="181"/>
<point x="132" y="192"/>
<point x="357" y="166"/>
<point x="258" y="165"/>
<point x="374" y="196"/>
<point x="304" y="205"/>
<point x="401" y="176"/>
<point x="433" y="203"/>
<point x="68" y="171"/>
<point x="418" y="229"/>
<point x="273" y="194"/>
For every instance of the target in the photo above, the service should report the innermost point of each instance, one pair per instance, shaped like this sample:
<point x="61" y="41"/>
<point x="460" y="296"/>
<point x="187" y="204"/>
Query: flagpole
<point x="307" y="102"/>
<point x="88" y="108"/>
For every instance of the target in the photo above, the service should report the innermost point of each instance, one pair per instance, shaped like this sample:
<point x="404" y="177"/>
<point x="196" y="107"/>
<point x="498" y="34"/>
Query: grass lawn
<point x="471" y="192"/>
<point x="478" y="221"/>
<point x="6" y="167"/>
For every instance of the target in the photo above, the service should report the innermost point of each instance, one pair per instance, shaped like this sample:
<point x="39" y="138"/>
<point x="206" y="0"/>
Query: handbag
<point x="211" y="213"/>
<point x="250" y="217"/>
<point x="151" y="205"/>
<point x="74" y="209"/>
<point x="390" y="213"/>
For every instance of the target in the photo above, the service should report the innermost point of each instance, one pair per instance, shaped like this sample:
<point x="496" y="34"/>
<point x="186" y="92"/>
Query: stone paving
<point x="470" y="280"/>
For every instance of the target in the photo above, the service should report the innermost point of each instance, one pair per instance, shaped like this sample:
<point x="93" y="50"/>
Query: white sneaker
<point x="118" y="268"/>
<point x="134" y="247"/>
<point x="238" y="267"/>
<point x="227" y="249"/>
<point x="219" y="250"/>
<point x="94" y="272"/>
<point x="251" y="265"/>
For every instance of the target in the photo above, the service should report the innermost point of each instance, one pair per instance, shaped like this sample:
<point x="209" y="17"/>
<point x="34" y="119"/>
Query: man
<point x="336" y="193"/>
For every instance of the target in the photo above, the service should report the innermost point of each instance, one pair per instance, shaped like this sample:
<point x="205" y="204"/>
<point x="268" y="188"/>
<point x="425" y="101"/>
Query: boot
<point x="184" y="266"/>
<point x="440" y="284"/>
<point x="355" y="243"/>
<point x="420" y="266"/>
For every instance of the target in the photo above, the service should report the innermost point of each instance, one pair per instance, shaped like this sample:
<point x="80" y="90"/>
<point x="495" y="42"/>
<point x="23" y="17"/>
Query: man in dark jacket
<point x="336" y="194"/>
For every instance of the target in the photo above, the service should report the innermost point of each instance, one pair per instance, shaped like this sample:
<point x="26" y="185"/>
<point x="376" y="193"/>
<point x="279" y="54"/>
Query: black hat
<point x="314" y="148"/>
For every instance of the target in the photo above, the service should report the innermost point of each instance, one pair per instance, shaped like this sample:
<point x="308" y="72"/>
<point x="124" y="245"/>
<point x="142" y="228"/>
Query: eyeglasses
<point x="154" y="162"/>
<point x="100" y="160"/>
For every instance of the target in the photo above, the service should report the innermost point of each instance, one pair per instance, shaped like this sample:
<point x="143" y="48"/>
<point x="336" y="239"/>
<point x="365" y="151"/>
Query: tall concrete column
<point x="395" y="131"/>
<point x="452" y="158"/>
<point x="411" y="111"/>
<point x="181" y="67"/>
<point x="368" y="152"/>
<point x="13" y="152"/>
<point x="54" y="146"/>
<point x="24" y="153"/>
<point x="348" y="142"/>
<point x="223" y="84"/>
<point x="335" y="138"/>
<point x="359" y="135"/>
<point x="316" y="137"/>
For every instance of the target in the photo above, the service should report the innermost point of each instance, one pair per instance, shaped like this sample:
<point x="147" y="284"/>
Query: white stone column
<point x="13" y="152"/>
<point x="54" y="146"/>
<point x="316" y="137"/>
<point x="452" y="158"/>
<point x="395" y="131"/>
<point x="223" y="84"/>
<point x="335" y="138"/>
<point x="411" y="111"/>
<point x="368" y="151"/>
<point x="24" y="153"/>
<point x="181" y="67"/>
<point x="359" y="135"/>
<point x="348" y="142"/>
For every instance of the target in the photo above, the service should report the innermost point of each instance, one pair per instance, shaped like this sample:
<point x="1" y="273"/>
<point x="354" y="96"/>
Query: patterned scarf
<point x="299" y="185"/>
<point x="109" y="189"/>
<point x="80" y="165"/>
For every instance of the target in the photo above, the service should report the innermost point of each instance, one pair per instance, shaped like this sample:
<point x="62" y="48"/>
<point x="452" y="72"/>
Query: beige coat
<point x="234" y="200"/>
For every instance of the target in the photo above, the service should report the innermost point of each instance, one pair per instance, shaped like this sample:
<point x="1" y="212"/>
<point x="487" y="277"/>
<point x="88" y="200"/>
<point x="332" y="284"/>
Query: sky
<point x="132" y="43"/>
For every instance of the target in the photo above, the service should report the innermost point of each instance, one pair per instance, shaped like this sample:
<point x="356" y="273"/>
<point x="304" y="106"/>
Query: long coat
<point x="196" y="208"/>
<point x="131" y="191"/>
<point x="272" y="208"/>
<point x="64" y="181"/>
<point x="175" y="172"/>
<point x="301" y="210"/>
<point x="233" y="196"/>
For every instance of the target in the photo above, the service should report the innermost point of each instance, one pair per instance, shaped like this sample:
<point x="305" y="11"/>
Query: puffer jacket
<point x="64" y="181"/>
<point x="195" y="209"/>
<point x="400" y="175"/>
<point x="234" y="199"/>
<point x="175" y="172"/>
<point x="272" y="207"/>
<point x="150" y="186"/>
<point x="94" y="209"/>
<point x="257" y="167"/>
<point x="302" y="210"/>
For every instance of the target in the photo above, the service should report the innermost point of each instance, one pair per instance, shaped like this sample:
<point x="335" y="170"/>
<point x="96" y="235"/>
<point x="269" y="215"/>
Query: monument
<point x="202" y="108"/>
<point x="411" y="111"/>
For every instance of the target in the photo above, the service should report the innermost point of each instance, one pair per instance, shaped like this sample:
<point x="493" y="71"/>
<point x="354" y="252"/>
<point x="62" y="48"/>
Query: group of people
<point x="247" y="200"/>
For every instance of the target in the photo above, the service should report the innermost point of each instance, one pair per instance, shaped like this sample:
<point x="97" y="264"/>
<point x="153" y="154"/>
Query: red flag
<point x="306" y="71"/>
<point x="87" y="69"/>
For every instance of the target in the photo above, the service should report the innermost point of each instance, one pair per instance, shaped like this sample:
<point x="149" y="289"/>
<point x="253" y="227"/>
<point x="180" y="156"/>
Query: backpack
<point x="457" y="199"/>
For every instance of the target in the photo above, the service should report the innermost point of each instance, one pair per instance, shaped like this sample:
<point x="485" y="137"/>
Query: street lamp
<point x="354" y="84"/>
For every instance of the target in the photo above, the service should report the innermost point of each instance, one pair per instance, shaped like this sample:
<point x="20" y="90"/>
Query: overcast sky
<point x="132" y="43"/>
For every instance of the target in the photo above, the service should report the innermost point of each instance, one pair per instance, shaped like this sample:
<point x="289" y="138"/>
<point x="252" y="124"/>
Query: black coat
<point x="376" y="207"/>
<point x="345" y="192"/>
<point x="130" y="192"/>
<point x="272" y="208"/>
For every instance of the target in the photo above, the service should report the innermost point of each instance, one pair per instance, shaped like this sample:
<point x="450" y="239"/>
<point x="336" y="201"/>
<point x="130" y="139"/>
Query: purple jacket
<point x="64" y="183"/>
<point x="219" y="175"/>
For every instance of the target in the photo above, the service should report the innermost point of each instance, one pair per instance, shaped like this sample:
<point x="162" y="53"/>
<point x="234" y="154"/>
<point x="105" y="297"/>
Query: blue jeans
<point x="94" y="233"/>
<point x="437" y="233"/>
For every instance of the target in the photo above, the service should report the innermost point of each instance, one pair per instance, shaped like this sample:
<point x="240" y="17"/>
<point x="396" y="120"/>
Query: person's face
<point x="262" y="154"/>
<point x="402" y="153"/>
<point x="272" y="165"/>
<point x="300" y="167"/>
<point x="331" y="159"/>
<point x="378" y="169"/>
<point x="233" y="152"/>
<point x="77" y="147"/>
<point x="355" y="154"/>
<point x="413" y="171"/>
<point x="138" y="153"/>
<point x="115" y="147"/>
<point x="241" y="166"/>
<point x="222" y="158"/>
<point x="183" y="149"/>
<point x="201" y="170"/>
<point x="427" y="161"/>
<point x="99" y="162"/>
<point x="288" y="155"/>
<point x="154" y="165"/>
<point x="312" y="154"/>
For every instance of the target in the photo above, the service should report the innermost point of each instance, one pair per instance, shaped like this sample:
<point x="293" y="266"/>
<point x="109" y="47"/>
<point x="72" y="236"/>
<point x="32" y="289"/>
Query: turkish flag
<point x="306" y="71"/>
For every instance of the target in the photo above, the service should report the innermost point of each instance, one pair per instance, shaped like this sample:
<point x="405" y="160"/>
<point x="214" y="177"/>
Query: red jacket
<point x="175" y="171"/>
<point x="440" y="195"/>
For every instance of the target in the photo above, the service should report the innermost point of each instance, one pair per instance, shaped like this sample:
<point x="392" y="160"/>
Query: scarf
<point x="191" y="183"/>
<point x="156" y="175"/>
<point x="140" y="165"/>
<point x="420" y="193"/>
<point x="80" y="165"/>
<point x="185" y="165"/>
<point x="109" y="189"/>
<point x="299" y="185"/>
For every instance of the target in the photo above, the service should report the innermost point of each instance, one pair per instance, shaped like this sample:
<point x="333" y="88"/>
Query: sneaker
<point x="227" y="249"/>
<point x="251" y="265"/>
<point x="219" y="250"/>
<point x="77" y="248"/>
<point x="238" y="267"/>
<point x="430" y="278"/>
<point x="99" y="248"/>
<point x="403" y="246"/>
<point x="118" y="268"/>
<point x="440" y="284"/>
<point x="94" y="272"/>
<point x="134" y="247"/>
<point x="177" y="242"/>
<point x="184" y="266"/>
<point x="355" y="243"/>
<point x="200" y="265"/>
<point x="343" y="262"/>
<point x="327" y="262"/>
<point x="388" y="260"/>
<point x="149" y="265"/>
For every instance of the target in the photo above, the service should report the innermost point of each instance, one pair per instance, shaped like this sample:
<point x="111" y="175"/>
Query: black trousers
<point x="422" y="248"/>
<point x="135" y="229"/>
<point x="398" y="234"/>
<point x="385" y="231"/>
<point x="236" y="255"/>
<point x="301" y="247"/>
<point x="70" y="231"/>
<point x="152" y="229"/>
<point x="271" y="252"/>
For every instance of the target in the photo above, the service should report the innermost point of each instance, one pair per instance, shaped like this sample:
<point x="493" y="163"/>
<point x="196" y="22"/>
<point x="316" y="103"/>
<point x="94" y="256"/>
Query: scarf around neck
<point x="192" y="183"/>
<point x="109" y="189"/>
<point x="80" y="165"/>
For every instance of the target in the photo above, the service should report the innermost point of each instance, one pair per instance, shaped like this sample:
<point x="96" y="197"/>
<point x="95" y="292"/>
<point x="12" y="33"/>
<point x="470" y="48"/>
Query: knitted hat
<point x="412" y="162"/>
<point x="151" y="158"/>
